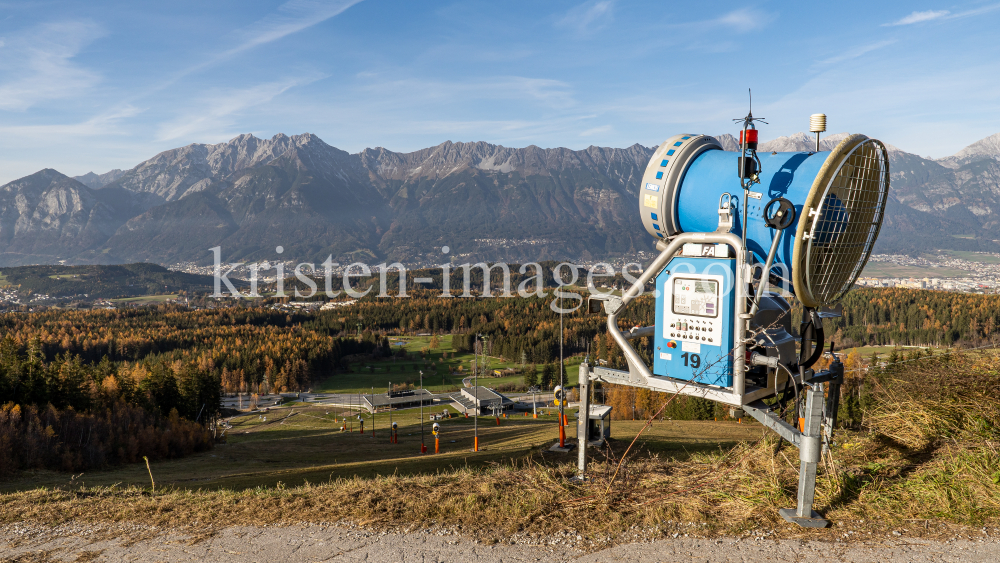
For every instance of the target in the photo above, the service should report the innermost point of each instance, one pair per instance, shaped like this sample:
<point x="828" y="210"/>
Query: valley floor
<point x="91" y="542"/>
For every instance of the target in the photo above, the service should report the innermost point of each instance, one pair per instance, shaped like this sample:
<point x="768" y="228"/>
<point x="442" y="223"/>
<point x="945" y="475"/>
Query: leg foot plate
<point x="815" y="521"/>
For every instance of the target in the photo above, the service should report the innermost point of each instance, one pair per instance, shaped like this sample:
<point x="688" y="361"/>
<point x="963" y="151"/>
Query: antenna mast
<point x="749" y="164"/>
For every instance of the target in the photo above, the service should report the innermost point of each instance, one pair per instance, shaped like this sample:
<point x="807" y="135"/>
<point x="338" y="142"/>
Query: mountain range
<point x="484" y="201"/>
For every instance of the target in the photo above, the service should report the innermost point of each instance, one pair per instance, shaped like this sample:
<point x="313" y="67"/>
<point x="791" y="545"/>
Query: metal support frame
<point x="639" y="375"/>
<point x="584" y="421"/>
<point x="819" y="412"/>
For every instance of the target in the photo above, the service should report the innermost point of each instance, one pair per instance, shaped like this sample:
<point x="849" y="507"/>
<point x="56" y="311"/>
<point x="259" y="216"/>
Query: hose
<point x="796" y="385"/>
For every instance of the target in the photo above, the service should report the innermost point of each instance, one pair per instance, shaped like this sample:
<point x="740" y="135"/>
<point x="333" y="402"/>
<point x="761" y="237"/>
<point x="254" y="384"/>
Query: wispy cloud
<point x="212" y="117"/>
<point x="974" y="12"/>
<point x="547" y="92"/>
<point x="107" y="123"/>
<point x="588" y="16"/>
<point x="854" y="53"/>
<point x="596" y="131"/>
<point x="216" y="111"/>
<point x="291" y="17"/>
<point x="929" y="15"/>
<point x="743" y="20"/>
<point x="917" y="17"/>
<point x="709" y="35"/>
<point x="37" y="64"/>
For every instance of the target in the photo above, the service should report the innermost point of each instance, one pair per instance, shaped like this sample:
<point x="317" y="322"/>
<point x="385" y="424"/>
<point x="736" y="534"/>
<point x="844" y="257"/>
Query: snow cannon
<point x="558" y="395"/>
<point x="839" y="198"/>
<point x="738" y="233"/>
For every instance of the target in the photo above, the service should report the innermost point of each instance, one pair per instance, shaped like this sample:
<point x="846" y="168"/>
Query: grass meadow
<point x="440" y="374"/>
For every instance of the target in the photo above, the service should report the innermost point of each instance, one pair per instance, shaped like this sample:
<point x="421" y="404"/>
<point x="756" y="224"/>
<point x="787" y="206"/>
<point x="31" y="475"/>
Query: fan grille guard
<point x="841" y="220"/>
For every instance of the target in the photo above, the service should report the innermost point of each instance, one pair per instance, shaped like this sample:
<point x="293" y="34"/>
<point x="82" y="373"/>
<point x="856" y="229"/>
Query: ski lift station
<point x="483" y="400"/>
<point x="398" y="400"/>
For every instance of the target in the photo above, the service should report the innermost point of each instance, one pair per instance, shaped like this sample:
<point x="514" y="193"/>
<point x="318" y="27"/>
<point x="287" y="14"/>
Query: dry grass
<point x="928" y="461"/>
<point x="732" y="491"/>
<point x="523" y="497"/>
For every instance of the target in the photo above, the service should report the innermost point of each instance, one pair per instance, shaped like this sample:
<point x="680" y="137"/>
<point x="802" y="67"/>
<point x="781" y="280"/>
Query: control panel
<point x="693" y="313"/>
<point x="694" y="319"/>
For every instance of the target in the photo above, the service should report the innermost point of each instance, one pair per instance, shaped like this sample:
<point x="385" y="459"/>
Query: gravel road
<point x="114" y="543"/>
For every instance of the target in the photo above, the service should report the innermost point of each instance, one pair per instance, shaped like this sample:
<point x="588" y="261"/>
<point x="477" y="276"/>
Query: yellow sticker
<point x="651" y="201"/>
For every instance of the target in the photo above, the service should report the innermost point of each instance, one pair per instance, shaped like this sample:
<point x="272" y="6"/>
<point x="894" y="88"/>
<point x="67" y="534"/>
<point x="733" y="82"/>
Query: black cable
<point x="810" y="330"/>
<point x="796" y="385"/>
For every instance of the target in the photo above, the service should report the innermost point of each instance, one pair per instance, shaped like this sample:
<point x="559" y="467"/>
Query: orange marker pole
<point x="437" y="445"/>
<point x="498" y="421"/>
<point x="562" y="435"/>
<point x="475" y="444"/>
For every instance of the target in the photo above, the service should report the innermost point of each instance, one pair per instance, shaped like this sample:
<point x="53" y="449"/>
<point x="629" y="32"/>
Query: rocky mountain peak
<point x="988" y="148"/>
<point x="248" y="191"/>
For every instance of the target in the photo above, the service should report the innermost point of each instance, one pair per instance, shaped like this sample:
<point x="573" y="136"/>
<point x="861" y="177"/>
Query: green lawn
<point x="973" y="256"/>
<point x="887" y="270"/>
<point x="882" y="351"/>
<point x="438" y="372"/>
<point x="305" y="444"/>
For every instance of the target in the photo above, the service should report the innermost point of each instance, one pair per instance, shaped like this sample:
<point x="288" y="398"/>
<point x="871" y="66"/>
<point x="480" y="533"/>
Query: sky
<point x="92" y="86"/>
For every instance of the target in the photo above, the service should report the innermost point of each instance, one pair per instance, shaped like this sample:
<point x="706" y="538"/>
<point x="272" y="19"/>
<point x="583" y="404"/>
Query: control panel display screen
<point x="696" y="297"/>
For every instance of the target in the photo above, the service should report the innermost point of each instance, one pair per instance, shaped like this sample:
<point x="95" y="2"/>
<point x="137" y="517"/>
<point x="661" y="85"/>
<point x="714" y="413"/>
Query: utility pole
<point x="475" y="378"/>
<point x="562" y="384"/>
<point x="388" y="395"/>
<point x="423" y="448"/>
<point x="373" y="410"/>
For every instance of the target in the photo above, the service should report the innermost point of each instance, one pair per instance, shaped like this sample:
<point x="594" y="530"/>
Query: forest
<point x="97" y="281"/>
<point x="87" y="389"/>
<point x="897" y="316"/>
<point x="77" y="387"/>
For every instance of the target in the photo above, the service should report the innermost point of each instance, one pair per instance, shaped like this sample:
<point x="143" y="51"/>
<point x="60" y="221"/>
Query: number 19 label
<point x="691" y="360"/>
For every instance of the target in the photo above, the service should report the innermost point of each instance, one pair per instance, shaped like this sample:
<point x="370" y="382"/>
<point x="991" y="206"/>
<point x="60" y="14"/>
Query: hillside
<point x="128" y="280"/>
<point x="484" y="201"/>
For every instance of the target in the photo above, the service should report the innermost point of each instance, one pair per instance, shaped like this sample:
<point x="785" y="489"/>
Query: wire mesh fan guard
<point x="845" y="222"/>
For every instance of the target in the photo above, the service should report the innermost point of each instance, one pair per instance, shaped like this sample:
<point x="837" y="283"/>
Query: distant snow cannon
<point x="729" y="226"/>
<point x="558" y="395"/>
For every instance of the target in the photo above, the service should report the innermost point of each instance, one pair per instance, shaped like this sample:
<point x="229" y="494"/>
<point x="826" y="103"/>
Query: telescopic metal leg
<point x="809" y="453"/>
<point x="830" y="414"/>
<point x="584" y="421"/>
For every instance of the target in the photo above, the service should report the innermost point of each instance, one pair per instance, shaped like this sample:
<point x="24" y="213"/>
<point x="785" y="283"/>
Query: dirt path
<point x="85" y="543"/>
